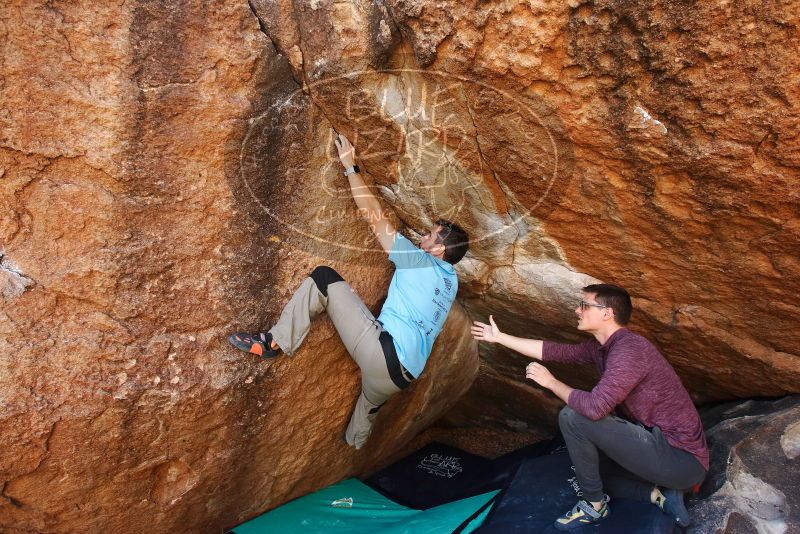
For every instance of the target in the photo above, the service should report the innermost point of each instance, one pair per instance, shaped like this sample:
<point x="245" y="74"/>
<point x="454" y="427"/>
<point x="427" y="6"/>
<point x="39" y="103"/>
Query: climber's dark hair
<point x="615" y="298"/>
<point x="455" y="240"/>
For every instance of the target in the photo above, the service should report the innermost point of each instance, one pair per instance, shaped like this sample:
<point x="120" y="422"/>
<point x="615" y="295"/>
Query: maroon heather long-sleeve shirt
<point x="638" y="379"/>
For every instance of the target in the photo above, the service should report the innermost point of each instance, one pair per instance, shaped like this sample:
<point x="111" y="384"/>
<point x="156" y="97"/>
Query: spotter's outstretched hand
<point x="485" y="332"/>
<point x="539" y="374"/>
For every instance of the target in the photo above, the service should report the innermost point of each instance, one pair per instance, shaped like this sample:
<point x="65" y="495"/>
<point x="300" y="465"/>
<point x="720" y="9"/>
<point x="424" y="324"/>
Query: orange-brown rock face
<point x="683" y="123"/>
<point x="167" y="176"/>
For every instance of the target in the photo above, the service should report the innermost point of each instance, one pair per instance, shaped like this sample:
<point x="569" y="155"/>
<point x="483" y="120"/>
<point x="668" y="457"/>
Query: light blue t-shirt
<point x="422" y="290"/>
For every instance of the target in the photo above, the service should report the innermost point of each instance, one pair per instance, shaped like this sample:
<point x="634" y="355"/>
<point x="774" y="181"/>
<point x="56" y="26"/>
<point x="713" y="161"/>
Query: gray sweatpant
<point x="359" y="331"/>
<point x="630" y="458"/>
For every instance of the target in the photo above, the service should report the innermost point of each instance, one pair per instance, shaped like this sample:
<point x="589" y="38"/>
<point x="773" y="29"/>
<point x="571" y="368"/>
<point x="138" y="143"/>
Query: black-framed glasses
<point x="583" y="305"/>
<point x="444" y="225"/>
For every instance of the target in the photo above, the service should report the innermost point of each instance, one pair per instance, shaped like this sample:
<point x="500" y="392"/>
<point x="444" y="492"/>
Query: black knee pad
<point x="323" y="276"/>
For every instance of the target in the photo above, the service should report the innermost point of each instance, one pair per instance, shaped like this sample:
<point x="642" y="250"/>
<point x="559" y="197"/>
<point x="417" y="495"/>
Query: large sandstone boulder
<point x="167" y="175"/>
<point x="142" y="222"/>
<point x="652" y="145"/>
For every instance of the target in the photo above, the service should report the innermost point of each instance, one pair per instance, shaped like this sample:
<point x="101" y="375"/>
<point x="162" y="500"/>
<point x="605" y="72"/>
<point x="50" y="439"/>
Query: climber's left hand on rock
<point x="347" y="153"/>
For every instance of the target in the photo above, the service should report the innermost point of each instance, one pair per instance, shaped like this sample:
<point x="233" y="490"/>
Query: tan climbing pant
<point x="359" y="331"/>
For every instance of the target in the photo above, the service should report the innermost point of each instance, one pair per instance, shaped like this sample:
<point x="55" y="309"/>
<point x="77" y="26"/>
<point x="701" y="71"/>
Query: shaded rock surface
<point x="167" y="176"/>
<point x="754" y="481"/>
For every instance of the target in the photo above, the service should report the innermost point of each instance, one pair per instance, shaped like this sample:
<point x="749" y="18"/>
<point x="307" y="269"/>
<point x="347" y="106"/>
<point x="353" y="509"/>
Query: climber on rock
<point x="637" y="432"/>
<point x="392" y="350"/>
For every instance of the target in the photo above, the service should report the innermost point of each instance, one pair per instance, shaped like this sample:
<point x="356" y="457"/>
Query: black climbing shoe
<point x="671" y="503"/>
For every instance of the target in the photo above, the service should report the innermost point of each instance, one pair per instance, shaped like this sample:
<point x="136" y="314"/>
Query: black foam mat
<point x="545" y="487"/>
<point x="438" y="474"/>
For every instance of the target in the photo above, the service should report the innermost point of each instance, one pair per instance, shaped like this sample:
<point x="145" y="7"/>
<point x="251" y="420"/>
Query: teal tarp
<point x="370" y="512"/>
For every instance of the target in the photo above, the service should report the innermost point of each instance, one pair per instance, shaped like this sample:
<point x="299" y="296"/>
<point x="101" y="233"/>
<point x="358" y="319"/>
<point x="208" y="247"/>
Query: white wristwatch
<point x="351" y="170"/>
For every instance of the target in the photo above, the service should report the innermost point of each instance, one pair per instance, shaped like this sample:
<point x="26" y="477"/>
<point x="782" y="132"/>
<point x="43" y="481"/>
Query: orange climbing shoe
<point x="254" y="343"/>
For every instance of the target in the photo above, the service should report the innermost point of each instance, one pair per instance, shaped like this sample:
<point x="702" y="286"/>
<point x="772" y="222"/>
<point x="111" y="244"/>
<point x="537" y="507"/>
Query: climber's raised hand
<point x="347" y="153"/>
<point x="369" y="207"/>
